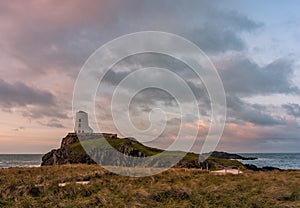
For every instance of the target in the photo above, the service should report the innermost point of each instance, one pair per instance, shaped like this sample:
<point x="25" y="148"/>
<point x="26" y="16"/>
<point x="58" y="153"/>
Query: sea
<point x="279" y="160"/>
<point x="20" y="160"/>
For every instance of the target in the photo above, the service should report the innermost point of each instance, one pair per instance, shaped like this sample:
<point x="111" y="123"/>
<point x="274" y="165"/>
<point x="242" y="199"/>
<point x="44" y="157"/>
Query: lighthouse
<point x="82" y="123"/>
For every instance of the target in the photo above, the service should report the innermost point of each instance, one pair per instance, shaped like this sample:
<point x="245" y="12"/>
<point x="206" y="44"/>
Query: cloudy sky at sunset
<point x="253" y="44"/>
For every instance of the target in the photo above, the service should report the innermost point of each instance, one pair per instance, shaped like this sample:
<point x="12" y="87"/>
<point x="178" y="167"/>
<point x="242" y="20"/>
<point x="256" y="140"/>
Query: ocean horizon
<point x="283" y="161"/>
<point x="280" y="160"/>
<point x="20" y="160"/>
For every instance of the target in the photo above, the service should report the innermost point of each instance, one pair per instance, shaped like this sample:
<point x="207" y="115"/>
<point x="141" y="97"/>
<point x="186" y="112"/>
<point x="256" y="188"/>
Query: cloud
<point x="21" y="128"/>
<point x="53" y="123"/>
<point x="62" y="40"/>
<point x="20" y="94"/>
<point x="212" y="39"/>
<point x="42" y="40"/>
<point x="240" y="112"/>
<point x="248" y="137"/>
<point x="221" y="31"/>
<point x="34" y="112"/>
<point x="292" y="109"/>
<point x="133" y="63"/>
<point x="30" y="102"/>
<point x="59" y="42"/>
<point x="245" y="78"/>
<point x="209" y="24"/>
<point x="241" y="77"/>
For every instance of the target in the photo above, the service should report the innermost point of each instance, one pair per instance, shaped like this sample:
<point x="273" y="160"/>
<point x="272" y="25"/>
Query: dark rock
<point x="69" y="139"/>
<point x="85" y="193"/>
<point x="34" y="191"/>
<point x="252" y="167"/>
<point x="269" y="168"/>
<point x="64" y="155"/>
<point x="48" y="158"/>
<point x="28" y="190"/>
<point x="190" y="164"/>
<point x="266" y="168"/>
<point x="225" y="155"/>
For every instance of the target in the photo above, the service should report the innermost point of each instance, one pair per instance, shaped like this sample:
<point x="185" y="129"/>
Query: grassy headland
<point x="73" y="152"/>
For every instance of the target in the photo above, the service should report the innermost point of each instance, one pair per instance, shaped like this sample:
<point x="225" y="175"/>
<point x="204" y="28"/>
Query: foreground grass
<point x="38" y="187"/>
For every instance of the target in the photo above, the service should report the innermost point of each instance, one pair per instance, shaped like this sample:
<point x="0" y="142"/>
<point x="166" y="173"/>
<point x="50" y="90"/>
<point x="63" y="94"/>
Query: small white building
<point x="82" y="123"/>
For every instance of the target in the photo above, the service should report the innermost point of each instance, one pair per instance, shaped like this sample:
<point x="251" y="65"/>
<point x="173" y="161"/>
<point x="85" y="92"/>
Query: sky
<point x="254" y="46"/>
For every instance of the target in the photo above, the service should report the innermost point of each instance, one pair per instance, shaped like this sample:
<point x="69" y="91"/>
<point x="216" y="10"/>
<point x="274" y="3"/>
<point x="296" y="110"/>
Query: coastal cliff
<point x="72" y="152"/>
<point x="65" y="154"/>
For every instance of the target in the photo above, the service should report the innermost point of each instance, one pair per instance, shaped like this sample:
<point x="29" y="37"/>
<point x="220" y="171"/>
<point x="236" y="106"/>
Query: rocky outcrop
<point x="265" y="168"/>
<point x="64" y="154"/>
<point x="128" y="153"/>
<point x="69" y="139"/>
<point x="225" y="155"/>
<point x="71" y="152"/>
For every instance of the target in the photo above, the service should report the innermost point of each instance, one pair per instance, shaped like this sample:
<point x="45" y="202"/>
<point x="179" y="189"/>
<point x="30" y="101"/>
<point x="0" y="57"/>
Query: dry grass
<point x="38" y="187"/>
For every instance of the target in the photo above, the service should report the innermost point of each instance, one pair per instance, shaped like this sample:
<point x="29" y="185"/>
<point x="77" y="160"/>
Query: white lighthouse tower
<point x="82" y="123"/>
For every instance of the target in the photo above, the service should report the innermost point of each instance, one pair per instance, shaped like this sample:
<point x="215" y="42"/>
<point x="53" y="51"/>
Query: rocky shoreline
<point x="226" y="155"/>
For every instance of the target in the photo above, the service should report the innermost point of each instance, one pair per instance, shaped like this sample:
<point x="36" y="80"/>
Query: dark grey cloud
<point x="245" y="78"/>
<point x="238" y="22"/>
<point x="65" y="39"/>
<point x="292" y="109"/>
<point x="210" y="24"/>
<point x="43" y="111"/>
<point x="221" y="31"/>
<point x="53" y="123"/>
<point x="212" y="39"/>
<point x="150" y="96"/>
<point x="241" y="78"/>
<point x="20" y="94"/>
<point x="239" y="111"/>
<point x="31" y="102"/>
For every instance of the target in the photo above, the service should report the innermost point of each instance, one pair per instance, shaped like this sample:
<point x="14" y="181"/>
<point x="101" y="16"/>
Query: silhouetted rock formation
<point x="226" y="155"/>
<point x="64" y="154"/>
<point x="265" y="168"/>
